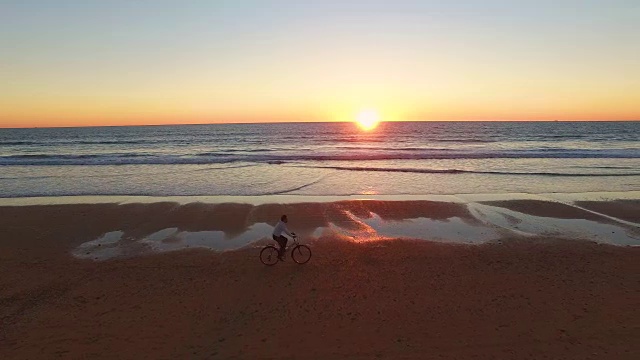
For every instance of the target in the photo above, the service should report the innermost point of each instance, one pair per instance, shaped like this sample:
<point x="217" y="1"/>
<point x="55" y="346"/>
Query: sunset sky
<point x="86" y="62"/>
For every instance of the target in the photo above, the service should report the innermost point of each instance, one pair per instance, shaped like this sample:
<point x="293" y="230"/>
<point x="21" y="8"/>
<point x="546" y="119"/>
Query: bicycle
<point x="300" y="253"/>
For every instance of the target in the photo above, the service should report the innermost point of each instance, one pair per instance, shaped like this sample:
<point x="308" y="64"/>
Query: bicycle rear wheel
<point x="301" y="254"/>
<point x="269" y="255"/>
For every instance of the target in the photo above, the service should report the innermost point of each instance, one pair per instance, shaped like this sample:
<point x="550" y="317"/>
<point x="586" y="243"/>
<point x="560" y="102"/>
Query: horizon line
<point x="306" y="122"/>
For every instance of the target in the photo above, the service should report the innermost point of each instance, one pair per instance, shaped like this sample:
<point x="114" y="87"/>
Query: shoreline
<point x="289" y="199"/>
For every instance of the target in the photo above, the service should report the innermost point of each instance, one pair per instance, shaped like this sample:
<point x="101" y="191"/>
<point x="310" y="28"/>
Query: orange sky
<point x="123" y="63"/>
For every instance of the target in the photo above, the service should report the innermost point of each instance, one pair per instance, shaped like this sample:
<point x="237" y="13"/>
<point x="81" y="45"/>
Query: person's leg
<point x="283" y="245"/>
<point x="279" y="241"/>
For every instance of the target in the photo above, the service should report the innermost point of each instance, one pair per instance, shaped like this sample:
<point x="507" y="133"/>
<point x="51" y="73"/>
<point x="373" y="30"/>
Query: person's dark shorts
<point x="281" y="240"/>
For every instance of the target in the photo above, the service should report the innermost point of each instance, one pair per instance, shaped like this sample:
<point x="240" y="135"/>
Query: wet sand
<point x="359" y="297"/>
<point x="621" y="209"/>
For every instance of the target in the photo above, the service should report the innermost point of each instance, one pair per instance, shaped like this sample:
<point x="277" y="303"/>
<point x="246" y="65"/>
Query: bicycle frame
<point x="295" y="243"/>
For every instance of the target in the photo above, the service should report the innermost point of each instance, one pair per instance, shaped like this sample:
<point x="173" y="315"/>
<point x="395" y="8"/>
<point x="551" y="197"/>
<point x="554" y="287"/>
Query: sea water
<point x="409" y="158"/>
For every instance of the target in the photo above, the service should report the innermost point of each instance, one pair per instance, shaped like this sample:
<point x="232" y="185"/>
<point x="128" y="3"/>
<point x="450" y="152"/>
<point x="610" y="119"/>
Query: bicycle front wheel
<point x="269" y="255"/>
<point x="301" y="254"/>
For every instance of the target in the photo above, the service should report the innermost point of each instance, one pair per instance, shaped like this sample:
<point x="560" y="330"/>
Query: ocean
<point x="408" y="158"/>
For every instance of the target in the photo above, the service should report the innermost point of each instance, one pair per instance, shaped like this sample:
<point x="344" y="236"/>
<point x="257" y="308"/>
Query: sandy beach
<point x="159" y="285"/>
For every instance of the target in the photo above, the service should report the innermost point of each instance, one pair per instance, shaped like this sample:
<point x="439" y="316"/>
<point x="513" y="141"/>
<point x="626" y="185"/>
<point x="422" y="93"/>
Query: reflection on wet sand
<point x="161" y="227"/>
<point x="597" y="229"/>
<point x="454" y="229"/>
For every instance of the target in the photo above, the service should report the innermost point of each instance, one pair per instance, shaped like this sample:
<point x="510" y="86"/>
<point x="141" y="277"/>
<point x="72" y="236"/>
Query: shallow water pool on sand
<point x="365" y="221"/>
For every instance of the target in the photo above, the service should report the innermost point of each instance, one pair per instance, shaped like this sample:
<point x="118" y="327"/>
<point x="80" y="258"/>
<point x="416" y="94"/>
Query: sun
<point x="368" y="119"/>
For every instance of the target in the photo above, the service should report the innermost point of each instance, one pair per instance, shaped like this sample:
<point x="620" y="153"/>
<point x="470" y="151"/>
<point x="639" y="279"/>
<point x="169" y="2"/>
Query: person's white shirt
<point x="280" y="228"/>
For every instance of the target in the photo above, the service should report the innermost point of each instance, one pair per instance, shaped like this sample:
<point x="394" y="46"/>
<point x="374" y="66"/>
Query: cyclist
<point x="281" y="227"/>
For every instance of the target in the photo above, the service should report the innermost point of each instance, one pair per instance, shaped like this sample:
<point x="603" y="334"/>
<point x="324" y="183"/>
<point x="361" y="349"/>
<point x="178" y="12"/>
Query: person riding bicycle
<point x="280" y="228"/>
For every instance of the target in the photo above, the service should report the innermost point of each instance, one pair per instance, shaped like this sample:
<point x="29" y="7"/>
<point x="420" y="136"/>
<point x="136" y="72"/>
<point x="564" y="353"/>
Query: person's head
<point x="284" y="219"/>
